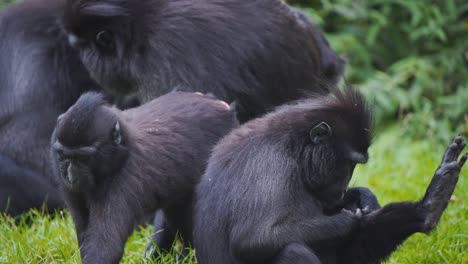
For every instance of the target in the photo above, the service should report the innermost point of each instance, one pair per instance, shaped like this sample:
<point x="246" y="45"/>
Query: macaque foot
<point x="360" y="200"/>
<point x="354" y="214"/>
<point x="443" y="184"/>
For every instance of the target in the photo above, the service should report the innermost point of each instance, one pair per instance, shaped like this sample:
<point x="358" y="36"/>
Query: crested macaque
<point x="41" y="76"/>
<point x="258" y="53"/>
<point x="117" y="166"/>
<point x="276" y="190"/>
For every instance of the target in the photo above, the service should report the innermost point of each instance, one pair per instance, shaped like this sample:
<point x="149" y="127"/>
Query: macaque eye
<point x="320" y="133"/>
<point x="105" y="39"/>
<point x="116" y="134"/>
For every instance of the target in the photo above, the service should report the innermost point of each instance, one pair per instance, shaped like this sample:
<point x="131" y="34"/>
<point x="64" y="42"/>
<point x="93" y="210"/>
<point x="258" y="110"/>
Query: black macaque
<point x="275" y="190"/>
<point x="41" y="76"/>
<point x="117" y="166"/>
<point x="258" y="53"/>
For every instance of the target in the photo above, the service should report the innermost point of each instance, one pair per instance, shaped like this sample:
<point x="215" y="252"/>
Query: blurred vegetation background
<point x="409" y="57"/>
<point x="4" y="3"/>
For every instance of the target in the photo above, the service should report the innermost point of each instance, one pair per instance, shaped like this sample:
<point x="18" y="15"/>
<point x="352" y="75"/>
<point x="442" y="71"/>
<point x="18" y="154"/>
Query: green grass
<point x="398" y="170"/>
<point x="46" y="239"/>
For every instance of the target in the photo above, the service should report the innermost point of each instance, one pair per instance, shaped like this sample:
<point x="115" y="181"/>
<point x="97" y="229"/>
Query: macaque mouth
<point x="73" y="161"/>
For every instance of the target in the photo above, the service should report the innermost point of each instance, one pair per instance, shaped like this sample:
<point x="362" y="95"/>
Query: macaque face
<point x="103" y="35"/>
<point x="89" y="144"/>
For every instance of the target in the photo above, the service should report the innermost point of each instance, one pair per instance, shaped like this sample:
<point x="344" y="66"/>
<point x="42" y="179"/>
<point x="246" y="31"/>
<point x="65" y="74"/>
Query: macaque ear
<point x="116" y="134"/>
<point x="320" y="133"/>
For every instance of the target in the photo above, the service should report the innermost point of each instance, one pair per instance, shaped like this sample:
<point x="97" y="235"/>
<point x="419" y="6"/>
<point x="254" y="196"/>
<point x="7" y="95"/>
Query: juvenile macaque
<point x="118" y="166"/>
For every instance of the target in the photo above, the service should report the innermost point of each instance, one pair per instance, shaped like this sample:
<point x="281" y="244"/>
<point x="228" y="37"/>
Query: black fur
<point x="40" y="77"/>
<point x="268" y="183"/>
<point x="258" y="53"/>
<point x="274" y="191"/>
<point x="140" y="160"/>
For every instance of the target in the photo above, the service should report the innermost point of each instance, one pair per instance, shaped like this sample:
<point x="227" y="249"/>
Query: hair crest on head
<point x="103" y="8"/>
<point x="79" y="115"/>
<point x="348" y="102"/>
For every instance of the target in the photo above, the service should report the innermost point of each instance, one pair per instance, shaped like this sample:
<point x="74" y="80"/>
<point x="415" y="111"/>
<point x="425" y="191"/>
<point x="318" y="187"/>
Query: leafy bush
<point x="409" y="57"/>
<point x="4" y="3"/>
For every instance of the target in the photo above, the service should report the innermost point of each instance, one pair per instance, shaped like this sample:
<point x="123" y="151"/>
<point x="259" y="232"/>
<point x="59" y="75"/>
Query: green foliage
<point x="409" y="57"/>
<point x="4" y="3"/>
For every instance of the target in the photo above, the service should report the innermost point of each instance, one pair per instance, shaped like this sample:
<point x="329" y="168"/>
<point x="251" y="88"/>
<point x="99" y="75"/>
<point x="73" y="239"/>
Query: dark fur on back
<point x="165" y="144"/>
<point x="267" y="177"/>
<point x="258" y="53"/>
<point x="40" y="77"/>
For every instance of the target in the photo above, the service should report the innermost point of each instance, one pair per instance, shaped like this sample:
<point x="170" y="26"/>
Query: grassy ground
<point x="398" y="170"/>
<point x="401" y="170"/>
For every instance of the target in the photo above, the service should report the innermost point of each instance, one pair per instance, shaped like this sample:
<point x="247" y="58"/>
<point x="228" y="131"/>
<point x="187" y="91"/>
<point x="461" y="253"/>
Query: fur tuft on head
<point x="74" y="123"/>
<point x="102" y="8"/>
<point x="346" y="111"/>
<point x="88" y="102"/>
<point x="349" y="106"/>
<point x="348" y="102"/>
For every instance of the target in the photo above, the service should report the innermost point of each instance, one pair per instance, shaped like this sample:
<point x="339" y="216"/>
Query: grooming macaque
<point x="276" y="190"/>
<point x="257" y="53"/>
<point x="117" y="166"/>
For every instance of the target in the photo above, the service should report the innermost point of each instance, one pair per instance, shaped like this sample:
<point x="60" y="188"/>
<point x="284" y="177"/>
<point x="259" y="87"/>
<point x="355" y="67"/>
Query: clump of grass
<point x="38" y="238"/>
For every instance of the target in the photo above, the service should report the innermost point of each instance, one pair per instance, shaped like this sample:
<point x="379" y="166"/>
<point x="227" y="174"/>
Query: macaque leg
<point x="443" y="184"/>
<point x="384" y="229"/>
<point x="110" y="225"/>
<point x="360" y="198"/>
<point x="296" y="253"/>
<point x="79" y="213"/>
<point x="163" y="236"/>
<point x="260" y="244"/>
